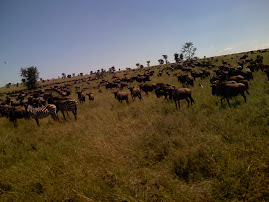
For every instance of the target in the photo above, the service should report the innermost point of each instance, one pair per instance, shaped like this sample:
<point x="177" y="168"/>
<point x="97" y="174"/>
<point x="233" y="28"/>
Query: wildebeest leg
<point x="192" y="100"/>
<point x="188" y="102"/>
<point x="37" y="122"/>
<point x="15" y="122"/>
<point x="221" y="100"/>
<point x="228" y="101"/>
<point x="243" y="95"/>
<point x="247" y="91"/>
<point x="175" y="102"/>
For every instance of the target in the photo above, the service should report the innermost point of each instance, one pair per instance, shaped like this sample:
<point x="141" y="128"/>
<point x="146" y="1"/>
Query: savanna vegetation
<point x="146" y="150"/>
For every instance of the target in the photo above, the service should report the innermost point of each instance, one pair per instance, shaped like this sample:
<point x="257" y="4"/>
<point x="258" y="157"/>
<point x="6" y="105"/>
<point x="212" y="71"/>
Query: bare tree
<point x="188" y="50"/>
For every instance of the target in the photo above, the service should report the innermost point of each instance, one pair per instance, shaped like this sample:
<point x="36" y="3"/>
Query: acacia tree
<point x="188" y="50"/>
<point x="181" y="56"/>
<point x="176" y="55"/>
<point x="30" y="76"/>
<point x="161" y="61"/>
<point x="138" y="65"/>
<point x="165" y="58"/>
<point x="148" y="62"/>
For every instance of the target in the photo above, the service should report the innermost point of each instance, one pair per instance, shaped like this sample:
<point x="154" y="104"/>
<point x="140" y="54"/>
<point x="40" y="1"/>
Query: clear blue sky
<point x="74" y="36"/>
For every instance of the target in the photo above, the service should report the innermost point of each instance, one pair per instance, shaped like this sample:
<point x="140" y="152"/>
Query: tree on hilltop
<point x="161" y="61"/>
<point x="30" y="76"/>
<point x="148" y="62"/>
<point x="188" y="50"/>
<point x="165" y="57"/>
<point x="176" y="55"/>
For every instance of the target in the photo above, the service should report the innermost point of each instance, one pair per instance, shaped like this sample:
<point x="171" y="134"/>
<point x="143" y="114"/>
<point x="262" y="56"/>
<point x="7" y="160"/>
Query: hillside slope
<point x="145" y="151"/>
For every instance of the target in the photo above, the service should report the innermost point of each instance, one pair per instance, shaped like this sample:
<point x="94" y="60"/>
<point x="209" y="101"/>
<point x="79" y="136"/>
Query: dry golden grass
<point x="144" y="151"/>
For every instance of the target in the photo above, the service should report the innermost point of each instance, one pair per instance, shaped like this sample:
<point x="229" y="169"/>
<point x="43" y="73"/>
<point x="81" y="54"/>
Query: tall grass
<point x="145" y="151"/>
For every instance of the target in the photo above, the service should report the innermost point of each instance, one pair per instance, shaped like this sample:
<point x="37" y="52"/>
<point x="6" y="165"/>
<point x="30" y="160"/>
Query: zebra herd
<point x="37" y="111"/>
<point x="53" y="109"/>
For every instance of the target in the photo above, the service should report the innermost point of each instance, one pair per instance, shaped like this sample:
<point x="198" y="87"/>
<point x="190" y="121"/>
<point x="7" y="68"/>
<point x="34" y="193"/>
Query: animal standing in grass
<point x="42" y="112"/>
<point x="91" y="97"/>
<point x="181" y="94"/>
<point x="121" y="96"/>
<point x="135" y="92"/>
<point x="65" y="106"/>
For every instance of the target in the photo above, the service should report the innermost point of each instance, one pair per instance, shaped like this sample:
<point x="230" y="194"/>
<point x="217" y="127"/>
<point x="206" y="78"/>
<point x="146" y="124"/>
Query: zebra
<point x="42" y="112"/>
<point x="67" y="105"/>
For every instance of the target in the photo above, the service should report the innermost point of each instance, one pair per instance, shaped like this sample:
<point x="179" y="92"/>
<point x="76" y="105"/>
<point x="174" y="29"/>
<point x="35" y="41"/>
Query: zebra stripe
<point x="42" y="112"/>
<point x="68" y="105"/>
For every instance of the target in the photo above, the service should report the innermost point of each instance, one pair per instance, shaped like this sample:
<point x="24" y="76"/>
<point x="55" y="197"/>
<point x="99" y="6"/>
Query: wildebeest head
<point x="115" y="94"/>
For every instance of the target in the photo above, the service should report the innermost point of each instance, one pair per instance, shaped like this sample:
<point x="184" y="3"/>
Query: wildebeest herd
<point x="226" y="82"/>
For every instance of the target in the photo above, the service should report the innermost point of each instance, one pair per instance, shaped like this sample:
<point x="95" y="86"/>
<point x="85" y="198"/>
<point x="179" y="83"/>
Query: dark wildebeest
<point x="161" y="92"/>
<point x="122" y="85"/>
<point x="147" y="88"/>
<point x="121" y="96"/>
<point x="186" y="79"/>
<point x="135" y="92"/>
<point x="111" y="85"/>
<point x="4" y="110"/>
<point x="228" y="90"/>
<point x="81" y="97"/>
<point x="180" y="94"/>
<point x="91" y="97"/>
<point x="198" y="74"/>
<point x="15" y="114"/>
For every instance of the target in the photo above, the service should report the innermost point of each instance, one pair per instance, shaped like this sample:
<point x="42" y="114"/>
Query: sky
<point x="73" y="36"/>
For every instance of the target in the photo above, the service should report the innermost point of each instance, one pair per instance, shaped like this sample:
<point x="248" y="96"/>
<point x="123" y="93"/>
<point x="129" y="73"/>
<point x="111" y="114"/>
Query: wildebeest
<point x="111" y="85"/>
<point x="135" y="92"/>
<point x="81" y="97"/>
<point x="161" y="92"/>
<point x="121" y="96"/>
<point x="4" y="110"/>
<point x="91" y="97"/>
<point x="122" y="85"/>
<point x="197" y="75"/>
<point x="147" y="87"/>
<point x="228" y="90"/>
<point x="181" y="94"/>
<point x="186" y="79"/>
<point x="15" y="114"/>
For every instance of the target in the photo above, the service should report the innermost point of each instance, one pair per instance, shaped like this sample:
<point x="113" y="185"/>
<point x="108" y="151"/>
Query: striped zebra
<point x="67" y="105"/>
<point x="42" y="112"/>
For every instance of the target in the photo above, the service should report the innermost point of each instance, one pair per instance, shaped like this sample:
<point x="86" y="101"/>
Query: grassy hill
<point x="145" y="151"/>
